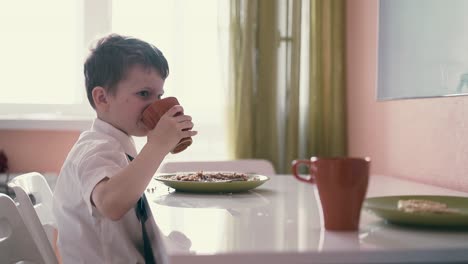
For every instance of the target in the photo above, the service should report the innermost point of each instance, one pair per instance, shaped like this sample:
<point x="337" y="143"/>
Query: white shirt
<point x="85" y="236"/>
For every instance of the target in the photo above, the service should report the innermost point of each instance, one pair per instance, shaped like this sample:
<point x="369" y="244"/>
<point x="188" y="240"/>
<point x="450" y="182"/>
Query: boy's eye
<point x="143" y="93"/>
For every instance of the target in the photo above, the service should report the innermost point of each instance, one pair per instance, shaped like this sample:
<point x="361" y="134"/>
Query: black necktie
<point x="142" y="216"/>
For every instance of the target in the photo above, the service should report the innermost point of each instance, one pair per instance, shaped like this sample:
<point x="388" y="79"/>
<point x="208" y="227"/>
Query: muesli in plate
<point x="210" y="176"/>
<point x="212" y="182"/>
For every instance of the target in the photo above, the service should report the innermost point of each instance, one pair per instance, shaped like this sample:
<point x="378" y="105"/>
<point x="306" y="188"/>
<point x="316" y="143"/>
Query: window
<point x="43" y="54"/>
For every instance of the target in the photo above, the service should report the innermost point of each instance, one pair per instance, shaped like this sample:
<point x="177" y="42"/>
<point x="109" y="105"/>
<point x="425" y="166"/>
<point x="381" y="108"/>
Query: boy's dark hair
<point x="113" y="56"/>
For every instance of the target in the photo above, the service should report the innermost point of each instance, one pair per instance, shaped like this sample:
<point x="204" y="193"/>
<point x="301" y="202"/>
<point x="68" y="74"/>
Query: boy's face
<point x="138" y="90"/>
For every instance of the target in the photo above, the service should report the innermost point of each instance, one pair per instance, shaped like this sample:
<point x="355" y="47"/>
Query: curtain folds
<point x="241" y="101"/>
<point x="327" y="95"/>
<point x="252" y="108"/>
<point x="305" y="115"/>
<point x="292" y="116"/>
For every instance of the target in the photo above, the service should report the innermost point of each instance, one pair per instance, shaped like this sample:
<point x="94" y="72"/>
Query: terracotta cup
<point x="341" y="185"/>
<point x="155" y="111"/>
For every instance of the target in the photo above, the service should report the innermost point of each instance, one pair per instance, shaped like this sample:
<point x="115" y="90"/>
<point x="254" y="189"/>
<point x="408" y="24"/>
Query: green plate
<point x="254" y="181"/>
<point x="387" y="208"/>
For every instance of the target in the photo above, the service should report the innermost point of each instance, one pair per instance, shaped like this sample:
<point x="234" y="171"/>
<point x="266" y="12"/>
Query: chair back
<point x="257" y="166"/>
<point x="16" y="242"/>
<point x="39" y="217"/>
<point x="35" y="184"/>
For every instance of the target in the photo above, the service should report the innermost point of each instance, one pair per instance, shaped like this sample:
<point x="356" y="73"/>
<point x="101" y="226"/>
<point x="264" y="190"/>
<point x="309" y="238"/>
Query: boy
<point x="98" y="187"/>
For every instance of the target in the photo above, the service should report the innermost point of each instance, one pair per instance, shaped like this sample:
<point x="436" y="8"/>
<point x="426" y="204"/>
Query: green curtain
<point x="292" y="115"/>
<point x="252" y="108"/>
<point x="255" y="120"/>
<point x="327" y="100"/>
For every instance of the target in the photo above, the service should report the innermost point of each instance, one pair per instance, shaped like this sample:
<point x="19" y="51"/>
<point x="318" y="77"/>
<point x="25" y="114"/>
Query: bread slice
<point x="425" y="206"/>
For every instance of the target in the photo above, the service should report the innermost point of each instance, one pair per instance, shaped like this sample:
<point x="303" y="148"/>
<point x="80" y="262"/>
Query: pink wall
<point x="420" y="139"/>
<point x="42" y="151"/>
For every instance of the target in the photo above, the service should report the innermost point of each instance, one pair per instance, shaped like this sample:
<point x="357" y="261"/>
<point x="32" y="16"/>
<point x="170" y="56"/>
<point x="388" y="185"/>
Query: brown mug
<point x="341" y="185"/>
<point x="155" y="111"/>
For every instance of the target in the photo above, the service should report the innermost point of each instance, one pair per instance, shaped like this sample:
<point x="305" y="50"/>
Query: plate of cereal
<point x="211" y="181"/>
<point x="421" y="210"/>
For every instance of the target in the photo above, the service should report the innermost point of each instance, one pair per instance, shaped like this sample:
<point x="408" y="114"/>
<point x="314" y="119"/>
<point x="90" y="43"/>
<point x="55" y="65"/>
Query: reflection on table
<point x="279" y="222"/>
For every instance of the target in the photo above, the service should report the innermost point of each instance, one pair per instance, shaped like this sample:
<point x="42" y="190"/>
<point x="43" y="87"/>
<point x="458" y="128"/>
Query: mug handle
<point x="309" y="164"/>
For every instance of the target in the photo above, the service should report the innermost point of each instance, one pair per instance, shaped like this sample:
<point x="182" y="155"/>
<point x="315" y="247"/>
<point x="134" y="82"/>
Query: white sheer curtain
<point x="193" y="37"/>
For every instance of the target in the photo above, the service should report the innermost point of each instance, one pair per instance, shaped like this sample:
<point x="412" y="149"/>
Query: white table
<point x="279" y="222"/>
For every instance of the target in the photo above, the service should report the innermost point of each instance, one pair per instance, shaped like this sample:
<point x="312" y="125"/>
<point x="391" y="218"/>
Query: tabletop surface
<point x="280" y="221"/>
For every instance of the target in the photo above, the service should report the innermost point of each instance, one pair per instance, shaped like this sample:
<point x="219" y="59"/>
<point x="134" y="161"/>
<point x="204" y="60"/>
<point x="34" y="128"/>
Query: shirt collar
<point x="125" y="140"/>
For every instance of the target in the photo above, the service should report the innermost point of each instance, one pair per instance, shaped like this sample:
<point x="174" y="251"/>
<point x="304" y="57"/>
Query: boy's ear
<point x="100" y="98"/>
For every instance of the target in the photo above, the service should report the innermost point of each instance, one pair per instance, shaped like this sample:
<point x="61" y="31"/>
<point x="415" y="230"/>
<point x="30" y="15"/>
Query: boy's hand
<point x="171" y="128"/>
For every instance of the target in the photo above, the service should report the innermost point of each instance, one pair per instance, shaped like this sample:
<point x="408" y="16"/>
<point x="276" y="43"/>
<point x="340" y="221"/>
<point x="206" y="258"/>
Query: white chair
<point x="16" y="242"/>
<point x="38" y="217"/>
<point x="258" y="166"/>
